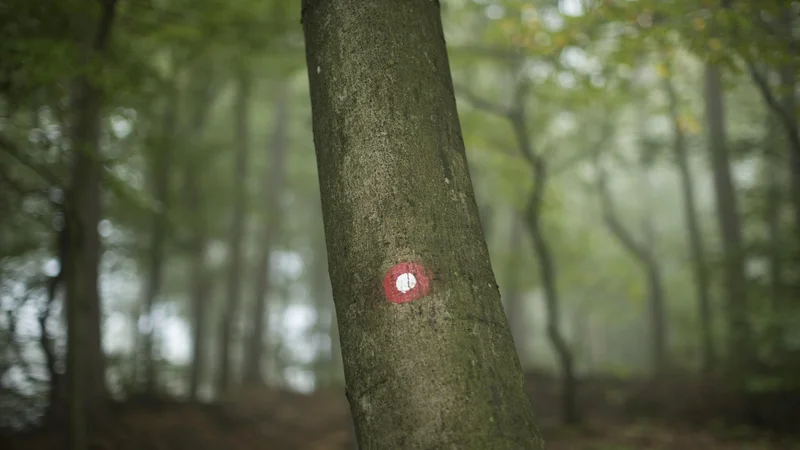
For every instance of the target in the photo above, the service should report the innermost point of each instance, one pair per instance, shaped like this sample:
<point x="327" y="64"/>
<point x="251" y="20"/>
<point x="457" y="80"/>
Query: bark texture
<point x="439" y="371"/>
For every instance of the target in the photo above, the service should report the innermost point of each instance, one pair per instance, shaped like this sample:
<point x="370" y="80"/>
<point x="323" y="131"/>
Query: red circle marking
<point x="419" y="290"/>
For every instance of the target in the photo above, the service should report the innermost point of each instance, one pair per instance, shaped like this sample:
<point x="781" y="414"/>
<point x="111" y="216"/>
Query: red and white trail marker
<point x="405" y="282"/>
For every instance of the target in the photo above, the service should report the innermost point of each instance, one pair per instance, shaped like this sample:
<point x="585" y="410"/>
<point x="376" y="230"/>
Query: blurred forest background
<point x="637" y="168"/>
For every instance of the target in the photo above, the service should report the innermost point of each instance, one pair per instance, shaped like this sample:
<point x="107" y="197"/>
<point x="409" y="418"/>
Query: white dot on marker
<point x="405" y="282"/>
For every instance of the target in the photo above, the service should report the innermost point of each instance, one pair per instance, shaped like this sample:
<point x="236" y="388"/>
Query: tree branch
<point x="785" y="117"/>
<point x="15" y="153"/>
<point x="489" y="52"/>
<point x="16" y="186"/>
<point x="610" y="216"/>
<point x="481" y="103"/>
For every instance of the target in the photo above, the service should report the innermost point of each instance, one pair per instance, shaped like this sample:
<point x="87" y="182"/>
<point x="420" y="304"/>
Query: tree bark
<point x="696" y="246"/>
<point x="434" y="367"/>
<point x="162" y="170"/>
<point x="739" y="343"/>
<point x="273" y="189"/>
<point x="231" y="314"/>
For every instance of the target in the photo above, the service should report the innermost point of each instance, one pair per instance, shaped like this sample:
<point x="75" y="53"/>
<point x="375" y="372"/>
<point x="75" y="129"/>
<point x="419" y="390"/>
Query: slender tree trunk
<point x="511" y="294"/>
<point x="649" y="265"/>
<point x="784" y="103"/>
<point x="696" y="246"/>
<point x="787" y="113"/>
<point x="788" y="87"/>
<point x="194" y="169"/>
<point x="162" y="170"/>
<point x="547" y="266"/>
<point x="57" y="398"/>
<point x="775" y="181"/>
<point x="429" y="364"/>
<point x="788" y="83"/>
<point x="199" y="279"/>
<point x="547" y="273"/>
<point x="739" y="342"/>
<point x="88" y="395"/>
<point x="273" y="188"/>
<point x="231" y="314"/>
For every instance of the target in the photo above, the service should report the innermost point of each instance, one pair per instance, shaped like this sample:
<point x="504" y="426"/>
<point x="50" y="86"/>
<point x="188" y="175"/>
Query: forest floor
<point x="281" y="420"/>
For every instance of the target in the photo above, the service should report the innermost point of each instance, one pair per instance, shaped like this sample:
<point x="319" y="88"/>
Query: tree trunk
<point x="696" y="246"/>
<point x="199" y="273"/>
<point x="200" y="281"/>
<point x="646" y="258"/>
<point x="57" y="397"/>
<point x="789" y="102"/>
<point x="784" y="105"/>
<point x="273" y="189"/>
<point x="775" y="181"/>
<point x="547" y="273"/>
<point x="547" y="266"/>
<point x="431" y="364"/>
<point x="162" y="170"/>
<point x="739" y="342"/>
<point x="511" y="292"/>
<point x="231" y="314"/>
<point x="88" y="396"/>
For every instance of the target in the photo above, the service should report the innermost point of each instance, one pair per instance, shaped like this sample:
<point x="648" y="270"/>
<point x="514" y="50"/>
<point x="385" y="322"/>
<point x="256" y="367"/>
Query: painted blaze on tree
<point x="439" y="371"/>
<point x="405" y="282"/>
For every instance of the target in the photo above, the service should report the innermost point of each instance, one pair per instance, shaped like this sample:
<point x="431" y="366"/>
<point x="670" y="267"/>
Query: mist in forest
<point x="636" y="175"/>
